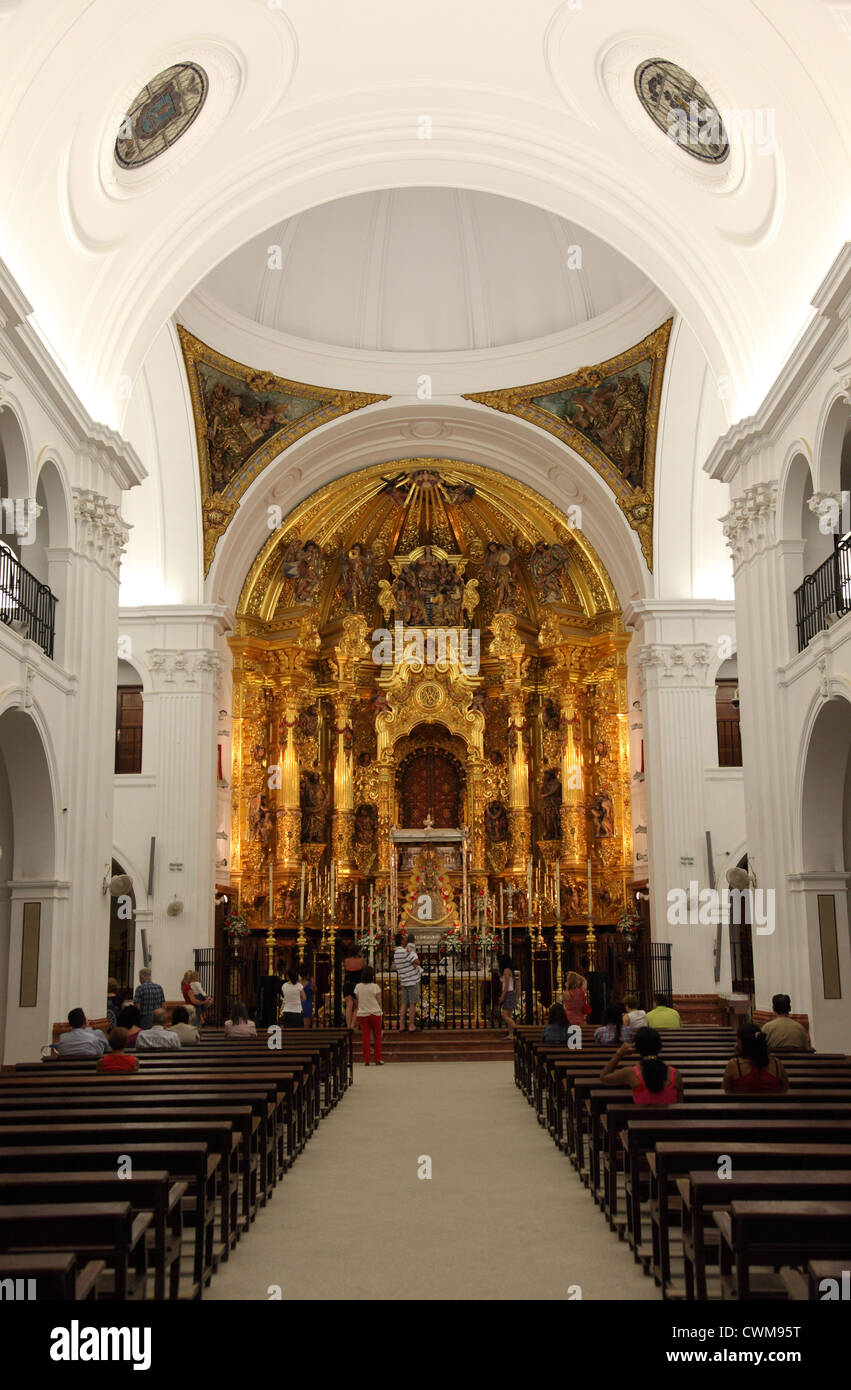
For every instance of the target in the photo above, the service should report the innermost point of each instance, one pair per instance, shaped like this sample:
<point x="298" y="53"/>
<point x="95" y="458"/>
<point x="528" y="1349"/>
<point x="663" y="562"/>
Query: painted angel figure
<point x="501" y="565"/>
<point x="547" y="564"/>
<point x="357" y="569"/>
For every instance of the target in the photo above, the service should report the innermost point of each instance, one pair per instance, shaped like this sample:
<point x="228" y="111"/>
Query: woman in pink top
<point x="652" y="1081"/>
<point x="239" y="1025"/>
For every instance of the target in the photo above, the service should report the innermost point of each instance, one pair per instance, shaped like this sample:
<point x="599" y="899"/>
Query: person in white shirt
<point x="82" y="1040"/>
<point x="157" y="1036"/>
<point x="293" y="997"/>
<point x="634" y="1016"/>
<point x="368" y="995"/>
<point x="407" y="966"/>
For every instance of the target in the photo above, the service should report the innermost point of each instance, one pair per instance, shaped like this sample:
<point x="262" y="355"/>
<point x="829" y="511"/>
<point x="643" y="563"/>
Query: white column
<point x="678" y="705"/>
<point x="181" y="721"/>
<point x="781" y="959"/>
<point x="89" y="622"/>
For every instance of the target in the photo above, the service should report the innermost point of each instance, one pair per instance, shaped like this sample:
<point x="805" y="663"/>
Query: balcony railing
<point x="825" y="595"/>
<point x="26" y="605"/>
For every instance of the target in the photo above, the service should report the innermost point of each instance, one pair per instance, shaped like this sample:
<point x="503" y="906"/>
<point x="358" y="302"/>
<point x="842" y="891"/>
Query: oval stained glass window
<point x="677" y="103"/>
<point x="164" y="109"/>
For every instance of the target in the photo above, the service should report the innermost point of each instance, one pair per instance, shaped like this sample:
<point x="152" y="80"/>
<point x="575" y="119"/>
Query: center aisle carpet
<point x="503" y="1215"/>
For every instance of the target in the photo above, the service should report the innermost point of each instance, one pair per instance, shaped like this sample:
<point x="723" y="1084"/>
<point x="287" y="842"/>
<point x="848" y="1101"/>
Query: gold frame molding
<point x="636" y="503"/>
<point x="219" y="508"/>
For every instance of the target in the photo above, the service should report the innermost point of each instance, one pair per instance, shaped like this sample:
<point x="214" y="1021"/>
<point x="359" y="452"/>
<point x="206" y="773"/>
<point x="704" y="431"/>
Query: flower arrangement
<point x="629" y="924"/>
<point x="236" y="927"/>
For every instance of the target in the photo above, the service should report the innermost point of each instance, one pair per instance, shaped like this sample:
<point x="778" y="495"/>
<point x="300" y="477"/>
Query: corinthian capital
<point x="749" y="526"/>
<point x="676" y="664"/>
<point x="184" y="670"/>
<point x="101" y="535"/>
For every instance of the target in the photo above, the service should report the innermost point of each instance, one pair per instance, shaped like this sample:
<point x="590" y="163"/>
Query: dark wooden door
<point x="431" y="785"/>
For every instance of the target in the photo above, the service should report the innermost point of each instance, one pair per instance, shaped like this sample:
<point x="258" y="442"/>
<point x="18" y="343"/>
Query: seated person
<point x="239" y="1025"/>
<point x="186" y="1031"/>
<point x="557" y="1028"/>
<point x="82" y="1040"/>
<point x="652" y="1081"/>
<point x="785" y="1034"/>
<point x="662" y="1015"/>
<point x="612" y="1029"/>
<point x="634" y="1016"/>
<point x="118" y="1060"/>
<point x="752" y="1071"/>
<point x="130" y="1019"/>
<point x="157" y="1036"/>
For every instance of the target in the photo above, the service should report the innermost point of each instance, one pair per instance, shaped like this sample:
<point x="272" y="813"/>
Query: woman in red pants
<point x="368" y="996"/>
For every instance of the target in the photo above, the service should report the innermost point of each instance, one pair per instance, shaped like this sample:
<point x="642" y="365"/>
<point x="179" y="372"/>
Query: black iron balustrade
<point x="825" y="595"/>
<point x="26" y="605"/>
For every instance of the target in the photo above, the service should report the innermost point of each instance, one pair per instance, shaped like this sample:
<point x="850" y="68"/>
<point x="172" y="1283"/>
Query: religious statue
<point x="366" y="824"/>
<point x="314" y="807"/>
<point x="290" y="903"/>
<point x="305" y="566"/>
<point x="502" y="566"/>
<point x="571" y="898"/>
<point x="603" y="813"/>
<point x="496" y="822"/>
<point x="308" y="721"/>
<point x="259" y="820"/>
<point x="551" y="716"/>
<point x="551" y="804"/>
<point x="356" y="571"/>
<point x="547" y="565"/>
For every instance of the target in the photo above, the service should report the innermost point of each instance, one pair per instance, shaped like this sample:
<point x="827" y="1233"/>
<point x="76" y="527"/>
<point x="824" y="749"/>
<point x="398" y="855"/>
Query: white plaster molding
<point x="101" y="535"/>
<point x="176" y="670"/>
<point x="672" y="665"/>
<point x="749" y="526"/>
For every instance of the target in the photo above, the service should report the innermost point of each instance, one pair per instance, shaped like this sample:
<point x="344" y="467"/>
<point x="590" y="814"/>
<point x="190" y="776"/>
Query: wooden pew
<point x="189" y="1161"/>
<point x="105" y="1230"/>
<point x="151" y="1191"/>
<point x="57" y="1275"/>
<point x="777" y="1233"/>
<point x="703" y="1193"/>
<point x="128" y="1136"/>
<point x="673" y="1159"/>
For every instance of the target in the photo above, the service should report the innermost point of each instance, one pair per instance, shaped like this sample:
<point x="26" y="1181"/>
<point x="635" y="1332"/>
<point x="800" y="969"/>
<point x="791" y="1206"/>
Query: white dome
<point x="423" y="270"/>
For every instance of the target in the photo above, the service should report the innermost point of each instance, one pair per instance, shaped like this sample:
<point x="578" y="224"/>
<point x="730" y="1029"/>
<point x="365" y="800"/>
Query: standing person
<point x="113" y="990"/>
<point x="574" y="999"/>
<point x="199" y="998"/>
<point x="508" y="996"/>
<point x="352" y="967"/>
<point x="652" y="1081"/>
<point x="407" y="967"/>
<point x="118" y="1060"/>
<point x="307" y="1006"/>
<point x="269" y="994"/>
<point x="785" y="1034"/>
<point x="239" y="1025"/>
<point x="368" y="997"/>
<point x="753" y="1071"/>
<point x="294" y="997"/>
<point x="147" y="998"/>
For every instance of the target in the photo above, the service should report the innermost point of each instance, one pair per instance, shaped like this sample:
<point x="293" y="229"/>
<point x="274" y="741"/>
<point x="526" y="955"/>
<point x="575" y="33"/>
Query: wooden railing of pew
<point x="209" y="1132"/>
<point x="658" y="1176"/>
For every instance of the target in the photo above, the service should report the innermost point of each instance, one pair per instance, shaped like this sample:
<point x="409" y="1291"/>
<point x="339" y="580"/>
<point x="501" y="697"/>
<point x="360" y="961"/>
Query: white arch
<point x="52" y="476"/>
<point x="16" y="440"/>
<point x="833" y="688"/>
<point x="24" y="787"/>
<point x="833" y="424"/>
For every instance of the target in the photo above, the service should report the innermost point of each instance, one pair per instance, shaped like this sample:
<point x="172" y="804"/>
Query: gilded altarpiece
<point x="429" y="631"/>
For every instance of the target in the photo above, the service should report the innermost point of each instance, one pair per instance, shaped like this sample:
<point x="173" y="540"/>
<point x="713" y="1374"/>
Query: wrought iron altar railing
<point x="458" y="989"/>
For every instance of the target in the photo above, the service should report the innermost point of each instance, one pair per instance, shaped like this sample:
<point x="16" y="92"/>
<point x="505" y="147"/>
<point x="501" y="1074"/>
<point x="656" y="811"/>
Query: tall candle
<point x="331" y="891"/>
<point x="271" y="896"/>
<point x="501" y="908"/>
<point x="301" y="905"/>
<point x="529" y="885"/>
<point x="590" y="903"/>
<point x="558" y="890"/>
<point x="356" y="905"/>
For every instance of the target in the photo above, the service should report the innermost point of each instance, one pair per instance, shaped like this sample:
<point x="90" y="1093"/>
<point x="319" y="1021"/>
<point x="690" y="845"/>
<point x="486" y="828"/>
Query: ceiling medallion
<point x="609" y="415"/>
<point x="164" y="109"/>
<point x="677" y="103"/>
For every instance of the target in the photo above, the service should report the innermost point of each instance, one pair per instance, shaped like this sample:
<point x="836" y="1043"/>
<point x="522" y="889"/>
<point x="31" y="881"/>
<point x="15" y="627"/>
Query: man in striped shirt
<point x="407" y="967"/>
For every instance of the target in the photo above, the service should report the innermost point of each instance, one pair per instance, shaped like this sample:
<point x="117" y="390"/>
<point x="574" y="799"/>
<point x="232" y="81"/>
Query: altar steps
<point x="443" y="1045"/>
